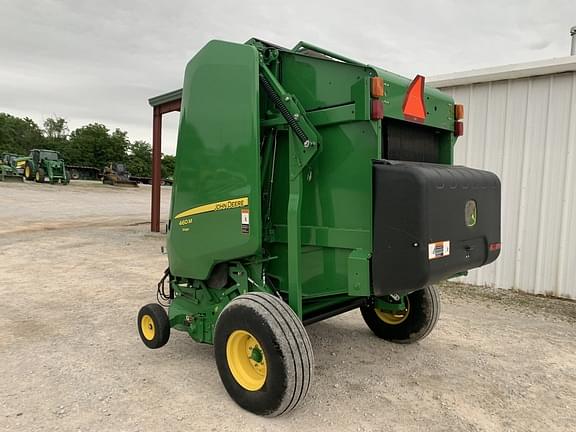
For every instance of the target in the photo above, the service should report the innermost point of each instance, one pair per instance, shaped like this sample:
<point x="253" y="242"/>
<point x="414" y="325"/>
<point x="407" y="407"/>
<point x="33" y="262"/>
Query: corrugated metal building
<point x="520" y="123"/>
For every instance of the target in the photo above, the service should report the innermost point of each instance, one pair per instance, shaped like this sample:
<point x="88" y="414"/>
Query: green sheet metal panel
<point x="337" y="190"/>
<point x="439" y="106"/>
<point x="319" y="83"/>
<point x="336" y="207"/>
<point x="215" y="210"/>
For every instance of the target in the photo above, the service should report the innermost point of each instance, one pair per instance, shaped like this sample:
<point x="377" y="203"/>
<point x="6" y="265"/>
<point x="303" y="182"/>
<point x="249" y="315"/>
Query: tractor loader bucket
<point x="9" y="175"/>
<point x="11" y="178"/>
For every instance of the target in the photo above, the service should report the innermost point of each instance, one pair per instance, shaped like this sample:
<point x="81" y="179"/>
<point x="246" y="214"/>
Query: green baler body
<point x="246" y="194"/>
<point x="218" y="159"/>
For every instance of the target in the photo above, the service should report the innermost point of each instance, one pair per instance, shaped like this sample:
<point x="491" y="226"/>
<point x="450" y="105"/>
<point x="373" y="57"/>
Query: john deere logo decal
<point x="470" y="213"/>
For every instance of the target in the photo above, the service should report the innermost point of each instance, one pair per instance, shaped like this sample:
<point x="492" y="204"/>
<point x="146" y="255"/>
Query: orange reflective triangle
<point x="413" y="106"/>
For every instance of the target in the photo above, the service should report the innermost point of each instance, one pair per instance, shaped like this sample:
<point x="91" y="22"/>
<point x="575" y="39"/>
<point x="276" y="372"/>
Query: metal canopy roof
<point x="507" y="72"/>
<point x="172" y="96"/>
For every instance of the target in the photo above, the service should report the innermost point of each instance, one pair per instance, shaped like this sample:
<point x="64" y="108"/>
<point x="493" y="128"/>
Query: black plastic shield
<point x="430" y="222"/>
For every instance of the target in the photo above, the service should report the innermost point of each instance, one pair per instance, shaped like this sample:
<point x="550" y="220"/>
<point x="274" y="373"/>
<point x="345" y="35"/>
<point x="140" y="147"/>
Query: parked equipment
<point x="8" y="172"/>
<point x="42" y="165"/>
<point x="81" y="172"/>
<point x="308" y="184"/>
<point x="20" y="164"/>
<point x="116" y="174"/>
<point x="148" y="180"/>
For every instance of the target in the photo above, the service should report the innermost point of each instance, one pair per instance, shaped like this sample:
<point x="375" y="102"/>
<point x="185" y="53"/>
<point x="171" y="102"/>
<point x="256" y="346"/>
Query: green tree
<point x="56" y="128"/>
<point x="168" y="165"/>
<point x="56" y="136"/>
<point x="94" y="145"/>
<point x="19" y="135"/>
<point x="139" y="161"/>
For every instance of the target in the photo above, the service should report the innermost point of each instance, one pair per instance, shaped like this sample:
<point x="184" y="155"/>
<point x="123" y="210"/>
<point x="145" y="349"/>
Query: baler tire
<point x="422" y="316"/>
<point x="285" y="348"/>
<point x="153" y="326"/>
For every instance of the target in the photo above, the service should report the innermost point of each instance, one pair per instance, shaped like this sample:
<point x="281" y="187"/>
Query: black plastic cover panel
<point x="430" y="222"/>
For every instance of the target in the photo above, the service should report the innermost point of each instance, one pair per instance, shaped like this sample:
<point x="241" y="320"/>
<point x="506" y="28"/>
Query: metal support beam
<point x="294" y="232"/>
<point x="171" y="106"/>
<point x="156" y="172"/>
<point x="159" y="111"/>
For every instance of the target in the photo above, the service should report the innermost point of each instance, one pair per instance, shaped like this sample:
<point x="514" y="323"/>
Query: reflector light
<point x="458" y="128"/>
<point x="414" y="107"/>
<point x="376" y="109"/>
<point x="493" y="247"/>
<point x="458" y="112"/>
<point x="376" y="87"/>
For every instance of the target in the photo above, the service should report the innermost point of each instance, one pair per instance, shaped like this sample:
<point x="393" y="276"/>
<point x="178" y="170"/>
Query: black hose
<point x="161" y="295"/>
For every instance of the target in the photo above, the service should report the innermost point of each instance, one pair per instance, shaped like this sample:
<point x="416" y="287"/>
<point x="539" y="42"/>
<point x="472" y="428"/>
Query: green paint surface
<point x="309" y="233"/>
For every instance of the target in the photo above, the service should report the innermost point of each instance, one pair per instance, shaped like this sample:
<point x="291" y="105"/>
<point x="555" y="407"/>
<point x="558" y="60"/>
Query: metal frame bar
<point x="294" y="232"/>
<point x="158" y="112"/>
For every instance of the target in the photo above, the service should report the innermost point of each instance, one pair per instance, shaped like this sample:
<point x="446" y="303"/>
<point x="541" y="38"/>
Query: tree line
<point x="90" y="145"/>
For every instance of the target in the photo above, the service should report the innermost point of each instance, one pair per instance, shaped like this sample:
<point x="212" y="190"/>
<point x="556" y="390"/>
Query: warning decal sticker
<point x="245" y="221"/>
<point x="438" y="249"/>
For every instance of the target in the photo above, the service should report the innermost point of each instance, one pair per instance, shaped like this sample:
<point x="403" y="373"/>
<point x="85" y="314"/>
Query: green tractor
<point x="8" y="171"/>
<point x="42" y="165"/>
<point x="307" y="185"/>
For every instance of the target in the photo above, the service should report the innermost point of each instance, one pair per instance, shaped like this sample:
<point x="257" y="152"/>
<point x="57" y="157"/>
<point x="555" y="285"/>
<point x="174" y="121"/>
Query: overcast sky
<point x="100" y="61"/>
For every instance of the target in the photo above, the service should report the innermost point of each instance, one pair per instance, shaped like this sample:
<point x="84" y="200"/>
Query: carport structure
<point x="162" y="104"/>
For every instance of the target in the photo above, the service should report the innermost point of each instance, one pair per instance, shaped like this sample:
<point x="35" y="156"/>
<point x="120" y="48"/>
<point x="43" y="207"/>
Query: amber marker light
<point x="376" y="87"/>
<point x="458" y="112"/>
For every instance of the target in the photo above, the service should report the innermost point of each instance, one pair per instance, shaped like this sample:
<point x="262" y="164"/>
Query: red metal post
<point x="156" y="171"/>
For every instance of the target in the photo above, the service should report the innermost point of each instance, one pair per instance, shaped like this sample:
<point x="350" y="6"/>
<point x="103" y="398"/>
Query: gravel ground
<point x="77" y="262"/>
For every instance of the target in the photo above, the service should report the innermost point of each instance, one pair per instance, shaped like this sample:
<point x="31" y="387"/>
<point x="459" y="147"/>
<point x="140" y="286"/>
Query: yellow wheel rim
<point x="37" y="176"/>
<point x="27" y="171"/>
<point x="395" y="317"/>
<point x="246" y="360"/>
<point x="148" y="327"/>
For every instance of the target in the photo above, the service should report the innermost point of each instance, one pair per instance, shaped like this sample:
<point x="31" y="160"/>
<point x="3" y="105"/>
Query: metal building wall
<point x="525" y="131"/>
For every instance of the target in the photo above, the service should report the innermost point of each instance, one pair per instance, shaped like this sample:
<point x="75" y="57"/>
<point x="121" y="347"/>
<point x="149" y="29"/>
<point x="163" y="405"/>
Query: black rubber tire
<point x="74" y="174"/>
<point x="67" y="177"/>
<point x="422" y="317"/>
<point x="286" y="347"/>
<point x="40" y="175"/>
<point x="161" y="325"/>
<point x="31" y="172"/>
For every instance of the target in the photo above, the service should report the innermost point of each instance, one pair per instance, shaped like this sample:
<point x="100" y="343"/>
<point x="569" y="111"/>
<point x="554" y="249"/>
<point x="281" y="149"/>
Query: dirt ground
<point x="77" y="262"/>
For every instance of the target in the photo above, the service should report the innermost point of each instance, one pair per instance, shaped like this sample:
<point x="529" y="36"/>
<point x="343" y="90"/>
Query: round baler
<point x="307" y="185"/>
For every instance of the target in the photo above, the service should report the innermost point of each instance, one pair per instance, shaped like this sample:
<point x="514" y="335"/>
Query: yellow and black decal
<point x="217" y="206"/>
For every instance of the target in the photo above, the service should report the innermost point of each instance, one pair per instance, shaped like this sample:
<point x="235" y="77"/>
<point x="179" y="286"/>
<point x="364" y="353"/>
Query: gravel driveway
<point x="77" y="262"/>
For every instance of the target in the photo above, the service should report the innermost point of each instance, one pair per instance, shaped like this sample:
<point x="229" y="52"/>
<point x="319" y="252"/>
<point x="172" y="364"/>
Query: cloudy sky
<point x="99" y="61"/>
